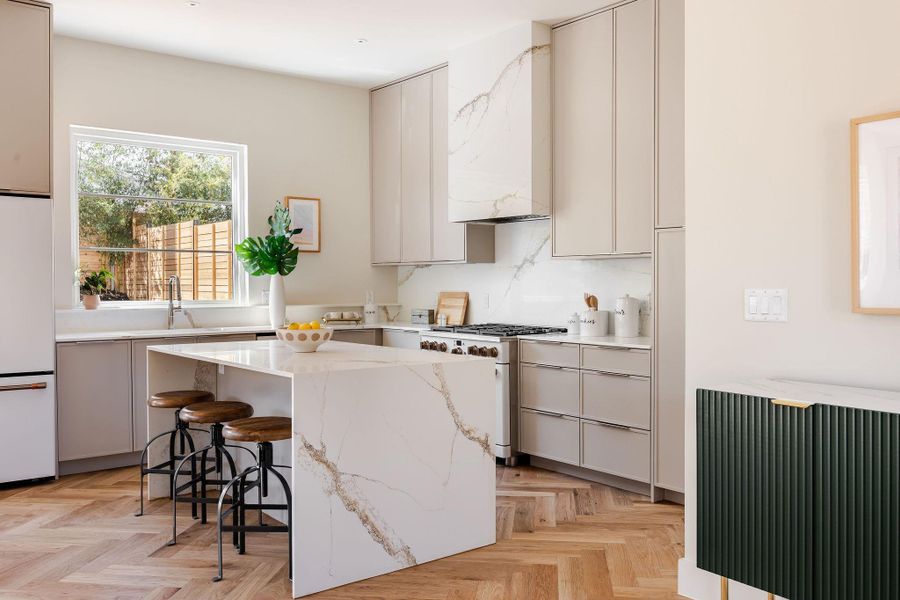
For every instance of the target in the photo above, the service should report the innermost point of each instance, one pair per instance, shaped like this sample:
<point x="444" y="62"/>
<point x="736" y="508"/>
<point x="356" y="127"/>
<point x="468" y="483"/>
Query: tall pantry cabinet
<point x="410" y="223"/>
<point x="618" y="176"/>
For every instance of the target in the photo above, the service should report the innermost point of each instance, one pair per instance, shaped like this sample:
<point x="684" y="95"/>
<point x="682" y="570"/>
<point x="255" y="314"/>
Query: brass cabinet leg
<point x="724" y="588"/>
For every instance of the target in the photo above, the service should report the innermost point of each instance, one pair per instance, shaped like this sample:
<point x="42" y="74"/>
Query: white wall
<point x="525" y="285"/>
<point x="770" y="89"/>
<point x="304" y="138"/>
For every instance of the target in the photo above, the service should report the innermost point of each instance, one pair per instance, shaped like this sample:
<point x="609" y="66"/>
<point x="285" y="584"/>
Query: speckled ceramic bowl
<point x="304" y="340"/>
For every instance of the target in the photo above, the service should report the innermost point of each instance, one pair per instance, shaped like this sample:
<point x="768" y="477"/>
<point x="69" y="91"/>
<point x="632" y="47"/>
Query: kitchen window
<point x="148" y="207"/>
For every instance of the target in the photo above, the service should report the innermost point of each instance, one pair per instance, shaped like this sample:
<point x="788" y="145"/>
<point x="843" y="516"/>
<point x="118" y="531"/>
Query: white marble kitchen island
<point x="392" y="461"/>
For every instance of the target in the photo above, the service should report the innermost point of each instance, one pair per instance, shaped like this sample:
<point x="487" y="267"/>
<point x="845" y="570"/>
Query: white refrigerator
<point x="27" y="394"/>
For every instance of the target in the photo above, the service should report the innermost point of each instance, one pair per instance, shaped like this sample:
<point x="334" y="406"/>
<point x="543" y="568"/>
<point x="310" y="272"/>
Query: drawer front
<point x="619" y="399"/>
<point x="549" y="436"/>
<point x="616" y="450"/>
<point x="549" y="353"/>
<point x="551" y="389"/>
<point x="616" y="360"/>
<point x="356" y="336"/>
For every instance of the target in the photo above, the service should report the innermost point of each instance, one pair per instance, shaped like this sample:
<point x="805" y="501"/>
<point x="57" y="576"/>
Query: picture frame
<point x="306" y="213"/>
<point x="875" y="213"/>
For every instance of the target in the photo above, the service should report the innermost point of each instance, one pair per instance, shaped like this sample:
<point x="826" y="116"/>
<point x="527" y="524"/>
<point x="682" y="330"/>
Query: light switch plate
<point x="766" y="304"/>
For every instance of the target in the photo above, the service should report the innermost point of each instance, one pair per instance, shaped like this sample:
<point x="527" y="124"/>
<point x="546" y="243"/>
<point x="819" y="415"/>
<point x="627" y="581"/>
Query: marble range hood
<point x="500" y="127"/>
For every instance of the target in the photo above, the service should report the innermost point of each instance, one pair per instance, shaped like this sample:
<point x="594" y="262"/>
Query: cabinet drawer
<point x="616" y="360"/>
<point x="557" y="354"/>
<point x="357" y="336"/>
<point x="620" y="399"/>
<point x="616" y="450"/>
<point x="552" y="389"/>
<point x="549" y="436"/>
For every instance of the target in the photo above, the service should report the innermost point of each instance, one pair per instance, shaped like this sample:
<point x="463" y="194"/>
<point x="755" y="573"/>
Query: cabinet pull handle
<point x="23" y="386"/>
<point x="546" y="414"/>
<point x="791" y="403"/>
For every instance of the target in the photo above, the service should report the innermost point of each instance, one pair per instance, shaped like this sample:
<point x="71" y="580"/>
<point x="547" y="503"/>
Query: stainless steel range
<point x="498" y="341"/>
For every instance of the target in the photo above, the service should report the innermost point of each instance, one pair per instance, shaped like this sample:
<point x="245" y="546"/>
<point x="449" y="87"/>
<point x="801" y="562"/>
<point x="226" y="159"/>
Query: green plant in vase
<point x="274" y="255"/>
<point x="92" y="285"/>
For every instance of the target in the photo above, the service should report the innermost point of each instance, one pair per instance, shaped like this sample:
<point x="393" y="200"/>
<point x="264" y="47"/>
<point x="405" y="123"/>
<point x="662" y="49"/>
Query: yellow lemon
<point x="294" y="326"/>
<point x="304" y="326"/>
<point x="315" y="325"/>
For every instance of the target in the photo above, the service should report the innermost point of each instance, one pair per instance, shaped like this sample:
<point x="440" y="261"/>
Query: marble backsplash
<point x="525" y="284"/>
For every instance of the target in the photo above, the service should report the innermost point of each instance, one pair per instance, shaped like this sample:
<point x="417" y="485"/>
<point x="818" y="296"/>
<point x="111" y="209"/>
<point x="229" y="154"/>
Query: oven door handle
<point x="23" y="386"/>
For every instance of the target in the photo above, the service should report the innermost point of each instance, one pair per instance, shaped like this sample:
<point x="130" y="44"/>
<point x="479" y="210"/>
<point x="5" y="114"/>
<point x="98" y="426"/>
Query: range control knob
<point x="456" y="351"/>
<point x="432" y="345"/>
<point x="423" y="345"/>
<point x="482" y="351"/>
<point x="442" y="347"/>
<point x="493" y="353"/>
<point x="473" y="349"/>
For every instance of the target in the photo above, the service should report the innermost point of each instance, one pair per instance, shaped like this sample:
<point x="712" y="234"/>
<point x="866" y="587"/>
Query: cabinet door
<point x="25" y="98"/>
<point x="385" y="160"/>
<point x="583" y="137"/>
<point x="231" y="337"/>
<point x="448" y="240"/>
<point x="635" y="99"/>
<point x="93" y="383"/>
<point x="139" y="386"/>
<point x="549" y="389"/>
<point x="670" y="108"/>
<point x="396" y="338"/>
<point x="617" y="399"/>
<point x="549" y="436"/>
<point x="357" y="336"/>
<point x="616" y="450"/>
<point x="415" y="170"/>
<point x="668" y="364"/>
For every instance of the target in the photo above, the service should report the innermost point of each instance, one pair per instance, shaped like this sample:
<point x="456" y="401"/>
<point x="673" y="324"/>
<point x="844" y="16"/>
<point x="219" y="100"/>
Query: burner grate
<point x="501" y="329"/>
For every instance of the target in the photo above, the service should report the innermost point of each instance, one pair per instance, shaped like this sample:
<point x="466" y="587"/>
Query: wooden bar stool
<point x="213" y="414"/>
<point x="263" y="431"/>
<point x="177" y="400"/>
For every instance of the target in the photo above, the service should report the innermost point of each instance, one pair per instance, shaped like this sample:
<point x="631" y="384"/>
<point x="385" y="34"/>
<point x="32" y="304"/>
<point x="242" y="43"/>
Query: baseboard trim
<point x="99" y="463"/>
<point x="581" y="473"/>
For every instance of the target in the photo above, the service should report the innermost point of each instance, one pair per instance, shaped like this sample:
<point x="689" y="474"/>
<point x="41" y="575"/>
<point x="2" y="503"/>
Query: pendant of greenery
<point x="274" y="254"/>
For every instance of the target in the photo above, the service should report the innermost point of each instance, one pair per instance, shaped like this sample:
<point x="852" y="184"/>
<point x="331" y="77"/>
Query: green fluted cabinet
<point x="799" y="502"/>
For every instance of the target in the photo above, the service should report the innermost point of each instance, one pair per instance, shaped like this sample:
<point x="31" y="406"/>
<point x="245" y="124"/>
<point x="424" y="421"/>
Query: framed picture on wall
<point x="306" y="213"/>
<point x="875" y="214"/>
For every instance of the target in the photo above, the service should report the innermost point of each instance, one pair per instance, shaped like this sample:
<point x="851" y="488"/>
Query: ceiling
<point x="309" y="38"/>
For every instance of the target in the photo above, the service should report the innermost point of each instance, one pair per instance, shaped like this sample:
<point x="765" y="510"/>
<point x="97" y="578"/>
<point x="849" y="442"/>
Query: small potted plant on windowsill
<point x="92" y="285"/>
<point x="274" y="255"/>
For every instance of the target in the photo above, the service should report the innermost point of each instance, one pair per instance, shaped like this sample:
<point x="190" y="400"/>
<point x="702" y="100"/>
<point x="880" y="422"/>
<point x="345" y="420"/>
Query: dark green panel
<point x="755" y="501"/>
<point x="857" y="541"/>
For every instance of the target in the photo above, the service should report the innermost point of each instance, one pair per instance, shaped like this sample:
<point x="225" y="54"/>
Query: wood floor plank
<point x="559" y="538"/>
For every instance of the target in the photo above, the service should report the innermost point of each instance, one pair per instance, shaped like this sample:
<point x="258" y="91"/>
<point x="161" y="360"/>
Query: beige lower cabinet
<point x="400" y="338"/>
<point x="358" y="336"/>
<point x="231" y="337"/>
<point x="617" y="450"/>
<point x="549" y="435"/>
<point x="616" y="398"/>
<point x="139" y="385"/>
<point x="549" y="353"/>
<point x="629" y="361"/>
<point x="548" y="388"/>
<point x="94" y="404"/>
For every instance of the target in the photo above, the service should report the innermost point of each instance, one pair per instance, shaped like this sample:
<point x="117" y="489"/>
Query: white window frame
<point x="239" y="195"/>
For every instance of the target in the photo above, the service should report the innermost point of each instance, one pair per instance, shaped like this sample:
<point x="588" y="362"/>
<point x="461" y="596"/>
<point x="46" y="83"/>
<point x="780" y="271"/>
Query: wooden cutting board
<point x="452" y="304"/>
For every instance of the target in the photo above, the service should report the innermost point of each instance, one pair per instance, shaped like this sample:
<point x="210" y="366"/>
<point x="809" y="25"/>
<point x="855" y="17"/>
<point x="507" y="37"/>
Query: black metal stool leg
<point x="181" y="464"/>
<point x="144" y="467"/>
<point x="290" y="511"/>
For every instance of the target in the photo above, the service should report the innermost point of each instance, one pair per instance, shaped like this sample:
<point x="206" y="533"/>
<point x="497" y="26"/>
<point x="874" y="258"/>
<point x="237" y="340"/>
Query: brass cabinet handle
<point x="791" y="403"/>
<point x="23" y="386"/>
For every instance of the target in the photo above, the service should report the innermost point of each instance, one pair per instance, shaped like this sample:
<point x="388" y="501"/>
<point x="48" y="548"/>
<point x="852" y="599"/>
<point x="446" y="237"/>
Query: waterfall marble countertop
<point x="274" y="358"/>
<point x="137" y="334"/>
<point x="814" y="393"/>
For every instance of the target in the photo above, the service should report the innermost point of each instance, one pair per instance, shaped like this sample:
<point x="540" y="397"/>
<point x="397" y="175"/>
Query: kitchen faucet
<point x="174" y="282"/>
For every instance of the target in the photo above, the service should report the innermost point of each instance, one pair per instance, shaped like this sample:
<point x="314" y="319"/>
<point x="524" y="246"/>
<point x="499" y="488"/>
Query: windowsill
<point x="117" y="306"/>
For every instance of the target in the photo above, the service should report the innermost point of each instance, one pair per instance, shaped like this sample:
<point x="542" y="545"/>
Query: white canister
<point x="628" y="316"/>
<point x="594" y="323"/>
<point x="573" y="325"/>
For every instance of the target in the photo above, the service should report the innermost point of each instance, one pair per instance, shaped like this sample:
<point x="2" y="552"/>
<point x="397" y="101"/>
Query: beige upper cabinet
<point x="385" y="145"/>
<point x="583" y="137"/>
<point x="415" y="169"/>
<point x="410" y="222"/>
<point x="670" y="91"/>
<point x="25" y="102"/>
<point x="635" y="107"/>
<point x="448" y="240"/>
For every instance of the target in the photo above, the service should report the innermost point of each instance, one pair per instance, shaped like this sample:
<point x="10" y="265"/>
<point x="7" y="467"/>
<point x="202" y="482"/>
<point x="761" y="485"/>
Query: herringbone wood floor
<point x="558" y="538"/>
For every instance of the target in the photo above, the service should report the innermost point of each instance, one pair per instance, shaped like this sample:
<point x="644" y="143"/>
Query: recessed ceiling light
<point x="360" y="41"/>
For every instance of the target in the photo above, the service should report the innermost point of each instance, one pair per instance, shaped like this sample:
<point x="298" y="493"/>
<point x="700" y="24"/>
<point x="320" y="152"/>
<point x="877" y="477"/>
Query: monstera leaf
<point x="274" y="254"/>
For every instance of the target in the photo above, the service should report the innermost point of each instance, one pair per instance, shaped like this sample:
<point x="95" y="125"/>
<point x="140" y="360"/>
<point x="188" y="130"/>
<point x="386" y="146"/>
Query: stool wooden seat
<point x="258" y="429"/>
<point x="216" y="412"/>
<point x="179" y="398"/>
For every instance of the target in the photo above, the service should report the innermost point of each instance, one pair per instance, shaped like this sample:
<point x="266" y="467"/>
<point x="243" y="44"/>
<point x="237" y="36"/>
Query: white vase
<point x="276" y="301"/>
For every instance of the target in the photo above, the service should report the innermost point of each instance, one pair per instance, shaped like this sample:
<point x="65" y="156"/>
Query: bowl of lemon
<point x="304" y="337"/>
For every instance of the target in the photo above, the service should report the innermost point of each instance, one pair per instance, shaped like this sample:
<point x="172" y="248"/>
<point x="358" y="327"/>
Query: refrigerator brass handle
<point x="23" y="386"/>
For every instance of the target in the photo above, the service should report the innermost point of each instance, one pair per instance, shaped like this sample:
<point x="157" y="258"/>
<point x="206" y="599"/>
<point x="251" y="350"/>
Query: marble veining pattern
<point x="526" y="285"/>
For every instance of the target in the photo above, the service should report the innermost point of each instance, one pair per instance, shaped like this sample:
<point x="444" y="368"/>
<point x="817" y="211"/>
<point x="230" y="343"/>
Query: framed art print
<point x="306" y="214"/>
